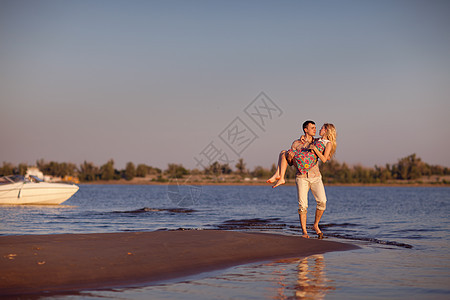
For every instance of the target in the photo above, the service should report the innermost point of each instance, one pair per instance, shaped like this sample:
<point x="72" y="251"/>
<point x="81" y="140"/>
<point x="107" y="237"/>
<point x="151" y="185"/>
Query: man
<point x="310" y="180"/>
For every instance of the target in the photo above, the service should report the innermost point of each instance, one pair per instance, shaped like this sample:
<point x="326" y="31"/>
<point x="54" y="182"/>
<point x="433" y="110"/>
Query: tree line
<point x="409" y="168"/>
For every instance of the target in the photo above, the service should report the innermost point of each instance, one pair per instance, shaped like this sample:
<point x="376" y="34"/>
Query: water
<point x="403" y="233"/>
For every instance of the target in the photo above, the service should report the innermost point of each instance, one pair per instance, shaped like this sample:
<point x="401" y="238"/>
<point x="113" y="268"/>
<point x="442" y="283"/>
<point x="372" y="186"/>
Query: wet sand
<point x="34" y="264"/>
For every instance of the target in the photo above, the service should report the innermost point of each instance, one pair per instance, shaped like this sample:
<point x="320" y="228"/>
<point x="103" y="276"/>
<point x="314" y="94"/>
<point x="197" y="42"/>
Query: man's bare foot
<point x="316" y="228"/>
<point x="273" y="179"/>
<point x="279" y="182"/>
<point x="305" y="235"/>
<point x="318" y="232"/>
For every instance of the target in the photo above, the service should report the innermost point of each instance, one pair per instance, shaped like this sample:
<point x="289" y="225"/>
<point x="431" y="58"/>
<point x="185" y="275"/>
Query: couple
<point x="304" y="154"/>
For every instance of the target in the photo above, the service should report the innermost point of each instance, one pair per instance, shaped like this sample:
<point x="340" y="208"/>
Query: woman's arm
<point x="326" y="153"/>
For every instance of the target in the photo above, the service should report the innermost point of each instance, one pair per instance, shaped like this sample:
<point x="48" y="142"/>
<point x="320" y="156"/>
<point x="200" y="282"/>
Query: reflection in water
<point x="311" y="282"/>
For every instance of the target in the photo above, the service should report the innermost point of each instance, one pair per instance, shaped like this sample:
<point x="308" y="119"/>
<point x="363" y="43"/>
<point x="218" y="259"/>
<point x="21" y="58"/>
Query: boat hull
<point x="42" y="193"/>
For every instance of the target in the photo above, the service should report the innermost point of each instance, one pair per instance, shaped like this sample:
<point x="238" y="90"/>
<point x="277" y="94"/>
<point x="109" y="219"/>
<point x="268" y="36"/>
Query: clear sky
<point x="160" y="82"/>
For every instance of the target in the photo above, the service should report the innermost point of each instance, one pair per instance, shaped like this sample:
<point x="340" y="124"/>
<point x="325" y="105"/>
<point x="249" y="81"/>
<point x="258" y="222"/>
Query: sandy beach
<point x="34" y="264"/>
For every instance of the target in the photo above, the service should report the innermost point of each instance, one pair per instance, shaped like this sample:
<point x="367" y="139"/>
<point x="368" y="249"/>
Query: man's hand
<point x="303" y="139"/>
<point x="290" y="155"/>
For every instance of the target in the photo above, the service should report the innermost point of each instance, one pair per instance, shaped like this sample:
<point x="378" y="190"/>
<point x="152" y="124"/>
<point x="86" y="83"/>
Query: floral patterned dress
<point x="305" y="159"/>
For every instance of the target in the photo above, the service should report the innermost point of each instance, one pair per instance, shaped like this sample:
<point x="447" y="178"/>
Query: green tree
<point x="345" y="174"/>
<point x="225" y="168"/>
<point x="217" y="169"/>
<point x="107" y="171"/>
<point x="67" y="169"/>
<point x="22" y="169"/>
<point x="154" y="171"/>
<point x="240" y="166"/>
<point x="214" y="169"/>
<point x="176" y="171"/>
<point x="142" y="170"/>
<point x="40" y="164"/>
<point x="260" y="172"/>
<point x="408" y="168"/>
<point x="130" y="171"/>
<point x="88" y="172"/>
<point x="54" y="168"/>
<point x="362" y="174"/>
<point x="331" y="172"/>
<point x="437" y="170"/>
<point x="382" y="174"/>
<point x="273" y="169"/>
<point x="7" y="169"/>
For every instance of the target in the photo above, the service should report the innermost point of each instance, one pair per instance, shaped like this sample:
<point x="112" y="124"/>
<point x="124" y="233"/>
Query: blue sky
<point x="156" y="82"/>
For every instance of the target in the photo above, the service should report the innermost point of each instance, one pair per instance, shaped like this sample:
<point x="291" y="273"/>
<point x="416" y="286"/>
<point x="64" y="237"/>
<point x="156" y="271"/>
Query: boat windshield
<point x="12" y="179"/>
<point x="33" y="178"/>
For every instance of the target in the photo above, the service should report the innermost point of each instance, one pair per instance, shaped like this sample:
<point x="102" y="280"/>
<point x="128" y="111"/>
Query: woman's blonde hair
<point x="331" y="136"/>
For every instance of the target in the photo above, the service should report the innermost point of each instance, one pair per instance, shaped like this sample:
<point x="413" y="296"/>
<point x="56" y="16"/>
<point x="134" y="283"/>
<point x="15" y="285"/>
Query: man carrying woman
<point x="304" y="154"/>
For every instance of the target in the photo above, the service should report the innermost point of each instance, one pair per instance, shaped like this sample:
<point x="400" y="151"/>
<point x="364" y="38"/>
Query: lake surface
<point x="403" y="233"/>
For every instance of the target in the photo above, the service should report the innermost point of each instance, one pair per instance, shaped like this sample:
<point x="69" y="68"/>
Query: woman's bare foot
<point x="305" y="235"/>
<point x="273" y="179"/>
<point x="279" y="182"/>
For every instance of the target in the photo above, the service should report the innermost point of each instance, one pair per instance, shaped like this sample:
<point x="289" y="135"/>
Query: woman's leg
<point x="277" y="176"/>
<point x="283" y="166"/>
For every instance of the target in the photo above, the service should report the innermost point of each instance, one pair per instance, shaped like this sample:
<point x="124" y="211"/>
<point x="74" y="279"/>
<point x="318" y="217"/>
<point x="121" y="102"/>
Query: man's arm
<point x="300" y="143"/>
<point x="296" y="144"/>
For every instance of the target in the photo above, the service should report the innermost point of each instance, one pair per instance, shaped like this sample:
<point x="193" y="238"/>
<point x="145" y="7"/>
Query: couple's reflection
<point x="310" y="281"/>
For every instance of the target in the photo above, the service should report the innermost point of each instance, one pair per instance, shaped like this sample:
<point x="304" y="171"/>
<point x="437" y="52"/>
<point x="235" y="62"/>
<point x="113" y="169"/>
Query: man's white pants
<point x="304" y="184"/>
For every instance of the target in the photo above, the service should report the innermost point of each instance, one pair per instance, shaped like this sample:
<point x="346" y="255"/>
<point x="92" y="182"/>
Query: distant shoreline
<point x="186" y="181"/>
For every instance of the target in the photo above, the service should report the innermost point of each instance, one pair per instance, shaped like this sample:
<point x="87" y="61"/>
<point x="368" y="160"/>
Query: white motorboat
<point x="17" y="189"/>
